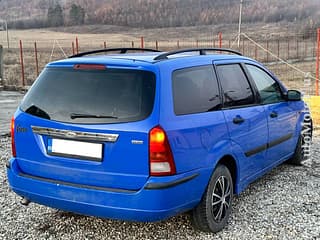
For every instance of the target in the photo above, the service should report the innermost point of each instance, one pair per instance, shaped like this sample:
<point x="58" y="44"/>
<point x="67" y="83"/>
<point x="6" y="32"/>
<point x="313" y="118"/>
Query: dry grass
<point x="294" y="79"/>
<point x="93" y="37"/>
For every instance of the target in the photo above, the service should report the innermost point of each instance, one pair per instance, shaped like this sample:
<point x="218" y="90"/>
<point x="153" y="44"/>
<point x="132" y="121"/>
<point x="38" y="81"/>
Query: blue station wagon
<point x="147" y="135"/>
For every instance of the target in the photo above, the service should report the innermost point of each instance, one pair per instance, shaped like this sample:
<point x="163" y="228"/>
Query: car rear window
<point x="91" y="96"/>
<point x="195" y="90"/>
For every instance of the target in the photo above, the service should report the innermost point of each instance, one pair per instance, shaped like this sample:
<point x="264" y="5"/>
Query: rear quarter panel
<point x="198" y="141"/>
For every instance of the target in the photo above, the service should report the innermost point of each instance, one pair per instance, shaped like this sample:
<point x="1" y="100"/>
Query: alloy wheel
<point x="221" y="198"/>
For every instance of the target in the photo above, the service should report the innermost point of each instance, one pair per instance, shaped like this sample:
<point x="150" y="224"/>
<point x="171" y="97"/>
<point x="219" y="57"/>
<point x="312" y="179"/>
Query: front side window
<point x="235" y="86"/>
<point x="91" y="96"/>
<point x="195" y="90"/>
<point x="268" y="88"/>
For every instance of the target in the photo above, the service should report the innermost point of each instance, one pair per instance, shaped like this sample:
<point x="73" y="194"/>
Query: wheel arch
<point x="231" y="163"/>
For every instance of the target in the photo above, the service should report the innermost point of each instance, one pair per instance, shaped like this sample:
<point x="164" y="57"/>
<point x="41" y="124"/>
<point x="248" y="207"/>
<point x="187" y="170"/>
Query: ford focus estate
<point x="146" y="135"/>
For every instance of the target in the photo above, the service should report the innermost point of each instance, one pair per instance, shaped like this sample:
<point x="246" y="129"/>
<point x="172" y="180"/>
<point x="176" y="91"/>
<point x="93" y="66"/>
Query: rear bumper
<point x="161" y="197"/>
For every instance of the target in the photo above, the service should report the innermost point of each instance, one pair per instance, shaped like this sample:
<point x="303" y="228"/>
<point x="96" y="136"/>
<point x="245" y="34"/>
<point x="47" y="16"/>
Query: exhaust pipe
<point x="8" y="164"/>
<point x="25" y="201"/>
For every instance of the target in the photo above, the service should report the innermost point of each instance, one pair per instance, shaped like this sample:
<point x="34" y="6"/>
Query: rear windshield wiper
<point x="80" y="115"/>
<point x="36" y="111"/>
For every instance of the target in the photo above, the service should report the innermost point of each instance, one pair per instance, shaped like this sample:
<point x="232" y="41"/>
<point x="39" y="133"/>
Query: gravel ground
<point x="284" y="204"/>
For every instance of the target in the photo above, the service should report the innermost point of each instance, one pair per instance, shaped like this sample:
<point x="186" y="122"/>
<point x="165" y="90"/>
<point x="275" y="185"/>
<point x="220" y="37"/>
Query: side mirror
<point x="294" y="95"/>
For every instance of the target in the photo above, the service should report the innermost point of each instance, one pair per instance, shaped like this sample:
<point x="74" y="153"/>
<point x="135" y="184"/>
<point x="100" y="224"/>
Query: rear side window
<point x="91" y="96"/>
<point x="195" y="90"/>
<point x="235" y="86"/>
<point x="268" y="88"/>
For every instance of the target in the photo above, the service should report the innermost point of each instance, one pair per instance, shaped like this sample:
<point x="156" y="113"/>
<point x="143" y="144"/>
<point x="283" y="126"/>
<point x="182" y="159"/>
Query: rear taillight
<point x="13" y="145"/>
<point x="160" y="155"/>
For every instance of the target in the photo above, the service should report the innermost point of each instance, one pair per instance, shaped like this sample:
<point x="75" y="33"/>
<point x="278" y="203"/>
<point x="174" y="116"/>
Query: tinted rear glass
<point x="91" y="96"/>
<point x="195" y="90"/>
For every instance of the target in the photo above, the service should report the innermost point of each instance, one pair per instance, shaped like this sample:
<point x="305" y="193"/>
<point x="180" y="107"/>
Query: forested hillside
<point x="154" y="13"/>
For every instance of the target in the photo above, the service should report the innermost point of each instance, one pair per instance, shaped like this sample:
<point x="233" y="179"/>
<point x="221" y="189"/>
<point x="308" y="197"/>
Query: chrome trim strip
<point x="75" y="135"/>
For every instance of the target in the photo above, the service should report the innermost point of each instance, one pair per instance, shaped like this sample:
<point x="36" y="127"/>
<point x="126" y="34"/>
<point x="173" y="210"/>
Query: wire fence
<point x="291" y="58"/>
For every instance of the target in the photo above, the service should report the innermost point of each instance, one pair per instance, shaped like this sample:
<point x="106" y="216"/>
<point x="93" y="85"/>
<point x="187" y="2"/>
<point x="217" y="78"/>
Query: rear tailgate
<point x="123" y="164"/>
<point x="88" y="125"/>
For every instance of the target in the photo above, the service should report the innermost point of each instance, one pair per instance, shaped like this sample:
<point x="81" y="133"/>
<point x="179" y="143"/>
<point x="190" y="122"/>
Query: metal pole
<point x="297" y="49"/>
<point x="267" y="50"/>
<point x="255" y="52"/>
<point x="220" y="40"/>
<point x="77" y="45"/>
<point x="22" y="64"/>
<point x="278" y="44"/>
<point x="36" y="57"/>
<point x="317" y="62"/>
<point x="288" y="55"/>
<point x="7" y="34"/>
<point x="240" y="21"/>
<point x="72" y="46"/>
<point x="1" y="66"/>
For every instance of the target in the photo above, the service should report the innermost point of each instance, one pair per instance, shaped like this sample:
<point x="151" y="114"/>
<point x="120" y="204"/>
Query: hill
<point x="160" y="13"/>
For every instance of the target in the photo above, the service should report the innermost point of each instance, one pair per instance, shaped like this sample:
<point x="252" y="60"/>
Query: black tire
<point x="303" y="147"/>
<point x="212" y="213"/>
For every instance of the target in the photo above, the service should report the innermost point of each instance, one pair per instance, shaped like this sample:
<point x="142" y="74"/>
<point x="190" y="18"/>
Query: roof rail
<point x="121" y="50"/>
<point x="202" y="51"/>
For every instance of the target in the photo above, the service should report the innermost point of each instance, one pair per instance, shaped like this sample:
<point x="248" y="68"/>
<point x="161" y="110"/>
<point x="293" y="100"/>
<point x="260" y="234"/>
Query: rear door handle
<point x="273" y="114"/>
<point x="238" y="120"/>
